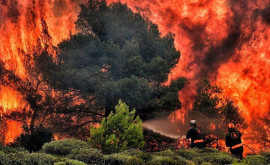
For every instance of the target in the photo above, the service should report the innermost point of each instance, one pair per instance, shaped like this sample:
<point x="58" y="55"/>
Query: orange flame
<point x="226" y="41"/>
<point x="10" y="100"/>
<point x="27" y="27"/>
<point x="14" y="129"/>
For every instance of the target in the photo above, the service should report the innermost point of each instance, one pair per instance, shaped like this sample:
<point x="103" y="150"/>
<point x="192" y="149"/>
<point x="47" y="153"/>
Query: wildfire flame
<point x="27" y="27"/>
<point x="224" y="40"/>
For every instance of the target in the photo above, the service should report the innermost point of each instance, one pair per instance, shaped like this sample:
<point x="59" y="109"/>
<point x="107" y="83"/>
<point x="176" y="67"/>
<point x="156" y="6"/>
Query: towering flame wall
<point x="224" y="40"/>
<point x="27" y="26"/>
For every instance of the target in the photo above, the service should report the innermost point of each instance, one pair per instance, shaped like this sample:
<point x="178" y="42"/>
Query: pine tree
<point x="119" y="131"/>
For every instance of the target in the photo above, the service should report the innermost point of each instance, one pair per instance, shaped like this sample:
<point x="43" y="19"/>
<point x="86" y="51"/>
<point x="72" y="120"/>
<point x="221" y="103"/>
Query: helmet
<point x="193" y="122"/>
<point x="231" y="126"/>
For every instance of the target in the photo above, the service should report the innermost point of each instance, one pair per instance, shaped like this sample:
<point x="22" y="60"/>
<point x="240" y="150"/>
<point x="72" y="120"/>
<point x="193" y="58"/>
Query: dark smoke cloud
<point x="13" y="12"/>
<point x="266" y="14"/>
<point x="59" y="8"/>
<point x="220" y="54"/>
<point x="217" y="55"/>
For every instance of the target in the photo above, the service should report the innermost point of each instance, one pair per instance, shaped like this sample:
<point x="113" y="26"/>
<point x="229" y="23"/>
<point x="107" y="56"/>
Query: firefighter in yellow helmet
<point x="233" y="140"/>
<point x="195" y="135"/>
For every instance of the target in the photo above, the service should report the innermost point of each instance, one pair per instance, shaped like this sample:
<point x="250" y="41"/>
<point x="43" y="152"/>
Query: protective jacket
<point x="196" y="138"/>
<point x="233" y="140"/>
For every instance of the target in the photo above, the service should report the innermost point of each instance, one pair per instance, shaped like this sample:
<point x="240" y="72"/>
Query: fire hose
<point x="247" y="147"/>
<point x="217" y="139"/>
<point x="182" y="134"/>
<point x="250" y="148"/>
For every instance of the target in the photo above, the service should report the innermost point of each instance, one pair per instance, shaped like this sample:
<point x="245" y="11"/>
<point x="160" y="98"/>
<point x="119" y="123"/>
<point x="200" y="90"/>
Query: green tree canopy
<point x="117" y="55"/>
<point x="119" y="131"/>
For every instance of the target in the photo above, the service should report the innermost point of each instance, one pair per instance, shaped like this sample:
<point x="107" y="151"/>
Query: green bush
<point x="64" y="147"/>
<point x="60" y="163"/>
<point x="123" y="159"/>
<point x="255" y="160"/>
<point x="168" y="160"/>
<point x="145" y="156"/>
<point x="189" y="154"/>
<point x="168" y="157"/>
<point x="7" y="149"/>
<point x="206" y="155"/>
<point x="70" y="162"/>
<point x="33" y="141"/>
<point x="266" y="154"/>
<point x="214" y="158"/>
<point x="119" y="131"/>
<point x="160" y="160"/>
<point x="15" y="158"/>
<point x="208" y="150"/>
<point x="25" y="158"/>
<point x="2" y="158"/>
<point x="87" y="155"/>
<point x="168" y="152"/>
<point x="40" y="159"/>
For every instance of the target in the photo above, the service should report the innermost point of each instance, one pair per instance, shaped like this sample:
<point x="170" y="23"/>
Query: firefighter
<point x="195" y="135"/>
<point x="233" y="140"/>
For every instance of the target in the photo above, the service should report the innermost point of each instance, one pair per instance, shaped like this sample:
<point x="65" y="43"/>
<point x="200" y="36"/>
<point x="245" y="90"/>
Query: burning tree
<point x="124" y="59"/>
<point x="213" y="112"/>
<point x="127" y="59"/>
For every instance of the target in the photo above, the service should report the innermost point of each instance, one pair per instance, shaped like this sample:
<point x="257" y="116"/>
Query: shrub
<point x="255" y="160"/>
<point x="64" y="147"/>
<point x="208" y="150"/>
<point x="168" y="152"/>
<point x="168" y="160"/>
<point x="160" y="160"/>
<point x="2" y="158"/>
<point x="206" y="155"/>
<point x="221" y="158"/>
<point x="119" y="131"/>
<point x="6" y="149"/>
<point x="16" y="158"/>
<point x="25" y="158"/>
<point x="40" y="159"/>
<point x="130" y="156"/>
<point x="33" y="141"/>
<point x="189" y="154"/>
<point x="123" y="159"/>
<point x="266" y="154"/>
<point x="88" y="156"/>
<point x="70" y="162"/>
<point x="145" y="156"/>
<point x="214" y="158"/>
<point x="60" y="163"/>
<point x="168" y="157"/>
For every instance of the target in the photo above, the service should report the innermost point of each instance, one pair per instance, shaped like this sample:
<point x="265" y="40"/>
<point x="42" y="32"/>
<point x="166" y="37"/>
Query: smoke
<point x="226" y="41"/>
